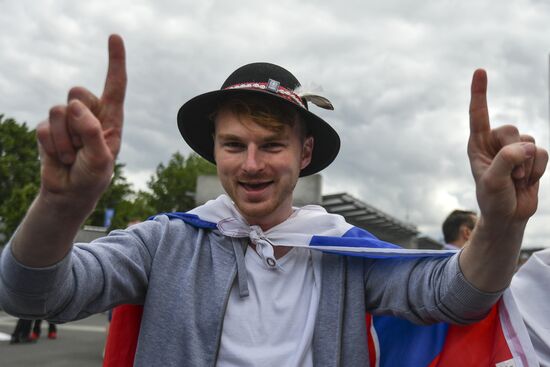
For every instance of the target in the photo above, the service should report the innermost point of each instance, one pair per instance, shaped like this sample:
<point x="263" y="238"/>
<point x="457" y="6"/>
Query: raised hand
<point x="507" y="167"/>
<point x="79" y="141"/>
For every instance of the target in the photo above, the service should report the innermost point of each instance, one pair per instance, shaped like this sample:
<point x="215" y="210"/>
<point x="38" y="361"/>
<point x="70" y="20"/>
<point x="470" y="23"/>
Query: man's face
<point x="258" y="167"/>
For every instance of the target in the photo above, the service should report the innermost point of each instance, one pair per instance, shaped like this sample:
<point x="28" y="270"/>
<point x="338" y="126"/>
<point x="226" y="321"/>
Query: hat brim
<point x="196" y="127"/>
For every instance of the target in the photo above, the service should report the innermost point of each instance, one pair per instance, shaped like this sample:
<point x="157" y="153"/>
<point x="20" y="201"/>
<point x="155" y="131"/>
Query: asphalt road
<point x="78" y="343"/>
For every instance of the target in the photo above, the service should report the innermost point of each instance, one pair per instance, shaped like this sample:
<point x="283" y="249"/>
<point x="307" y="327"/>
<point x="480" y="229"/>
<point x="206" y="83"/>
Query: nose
<point x="253" y="161"/>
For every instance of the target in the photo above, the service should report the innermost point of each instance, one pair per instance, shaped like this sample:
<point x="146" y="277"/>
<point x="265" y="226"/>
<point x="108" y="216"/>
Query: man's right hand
<point x="79" y="141"/>
<point x="78" y="146"/>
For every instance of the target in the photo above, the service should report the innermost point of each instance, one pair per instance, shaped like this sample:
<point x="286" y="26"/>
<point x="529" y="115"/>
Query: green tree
<point x="116" y="196"/>
<point x="172" y="186"/>
<point x="19" y="173"/>
<point x="136" y="207"/>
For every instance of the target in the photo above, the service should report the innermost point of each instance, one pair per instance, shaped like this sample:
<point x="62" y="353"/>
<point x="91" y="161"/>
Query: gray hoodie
<point x="183" y="276"/>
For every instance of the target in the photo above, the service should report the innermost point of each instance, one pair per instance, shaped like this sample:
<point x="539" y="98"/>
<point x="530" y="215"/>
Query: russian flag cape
<point x="499" y="340"/>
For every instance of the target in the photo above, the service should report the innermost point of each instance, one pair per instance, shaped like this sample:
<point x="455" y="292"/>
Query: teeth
<point x="255" y="185"/>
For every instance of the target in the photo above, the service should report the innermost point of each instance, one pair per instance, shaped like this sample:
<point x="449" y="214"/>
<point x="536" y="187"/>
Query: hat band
<point x="280" y="91"/>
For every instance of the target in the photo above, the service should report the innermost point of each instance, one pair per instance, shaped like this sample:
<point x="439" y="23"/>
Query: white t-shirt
<point x="274" y="325"/>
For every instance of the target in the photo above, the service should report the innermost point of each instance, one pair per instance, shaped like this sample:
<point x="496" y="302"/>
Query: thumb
<point x="509" y="161"/>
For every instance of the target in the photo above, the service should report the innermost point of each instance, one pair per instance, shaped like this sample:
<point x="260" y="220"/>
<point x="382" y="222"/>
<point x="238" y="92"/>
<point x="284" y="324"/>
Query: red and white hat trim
<point x="274" y="87"/>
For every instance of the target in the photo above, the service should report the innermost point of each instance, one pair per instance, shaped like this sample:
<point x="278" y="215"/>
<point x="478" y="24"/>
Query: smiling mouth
<point x="255" y="186"/>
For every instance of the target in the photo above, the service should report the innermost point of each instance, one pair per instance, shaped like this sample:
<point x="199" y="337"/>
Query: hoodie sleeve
<point x="92" y="278"/>
<point x="425" y="290"/>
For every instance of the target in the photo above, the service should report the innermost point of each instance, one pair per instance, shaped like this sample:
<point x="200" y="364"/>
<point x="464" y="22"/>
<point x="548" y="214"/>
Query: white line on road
<point x="74" y="327"/>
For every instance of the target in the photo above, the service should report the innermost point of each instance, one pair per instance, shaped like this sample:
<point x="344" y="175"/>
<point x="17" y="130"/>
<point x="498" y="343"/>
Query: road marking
<point x="90" y="328"/>
<point x="10" y="321"/>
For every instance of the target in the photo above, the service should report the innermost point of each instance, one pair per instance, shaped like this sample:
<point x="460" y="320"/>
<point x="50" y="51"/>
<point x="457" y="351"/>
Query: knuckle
<point x="74" y="93"/>
<point x="43" y="127"/>
<point x="510" y="130"/>
<point x="57" y="112"/>
<point x="80" y="93"/>
<point x="84" y="96"/>
<point x="527" y="138"/>
<point x="543" y="154"/>
<point x="42" y="134"/>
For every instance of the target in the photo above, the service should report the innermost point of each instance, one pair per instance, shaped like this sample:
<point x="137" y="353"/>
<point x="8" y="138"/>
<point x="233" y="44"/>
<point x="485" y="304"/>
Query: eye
<point x="233" y="145"/>
<point x="273" y="146"/>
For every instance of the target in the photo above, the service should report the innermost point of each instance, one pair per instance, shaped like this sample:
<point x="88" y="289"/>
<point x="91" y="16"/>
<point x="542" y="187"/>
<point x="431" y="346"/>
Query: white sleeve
<point x="531" y="290"/>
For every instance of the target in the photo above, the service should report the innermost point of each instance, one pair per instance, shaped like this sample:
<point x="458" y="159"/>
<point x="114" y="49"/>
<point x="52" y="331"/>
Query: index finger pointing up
<point x="115" y="84"/>
<point x="479" y="113"/>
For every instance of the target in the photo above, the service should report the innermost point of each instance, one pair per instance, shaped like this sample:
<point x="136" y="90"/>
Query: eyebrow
<point x="269" y="138"/>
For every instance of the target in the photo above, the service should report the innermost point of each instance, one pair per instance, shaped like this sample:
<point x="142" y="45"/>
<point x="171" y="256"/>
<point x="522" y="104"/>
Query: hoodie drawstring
<point x="265" y="250"/>
<point x="242" y="274"/>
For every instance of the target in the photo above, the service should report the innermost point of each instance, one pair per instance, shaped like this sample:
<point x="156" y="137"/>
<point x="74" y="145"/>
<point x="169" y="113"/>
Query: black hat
<point x="272" y="81"/>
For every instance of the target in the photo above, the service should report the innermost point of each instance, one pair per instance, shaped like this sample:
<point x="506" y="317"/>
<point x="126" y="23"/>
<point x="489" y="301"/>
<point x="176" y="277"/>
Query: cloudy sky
<point x="397" y="72"/>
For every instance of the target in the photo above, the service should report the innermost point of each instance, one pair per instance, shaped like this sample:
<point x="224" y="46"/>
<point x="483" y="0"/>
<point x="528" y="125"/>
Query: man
<point x="457" y="228"/>
<point x="214" y="288"/>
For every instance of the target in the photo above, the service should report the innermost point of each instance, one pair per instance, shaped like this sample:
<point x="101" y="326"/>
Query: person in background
<point x="36" y="330"/>
<point x="21" y="333"/>
<point x="457" y="228"/>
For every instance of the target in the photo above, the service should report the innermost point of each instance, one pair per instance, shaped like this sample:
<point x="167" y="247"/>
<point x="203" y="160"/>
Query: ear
<point x="466" y="232"/>
<point x="307" y="152"/>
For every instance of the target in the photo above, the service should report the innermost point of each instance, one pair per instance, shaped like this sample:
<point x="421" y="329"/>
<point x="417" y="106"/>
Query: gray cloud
<point x="398" y="73"/>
